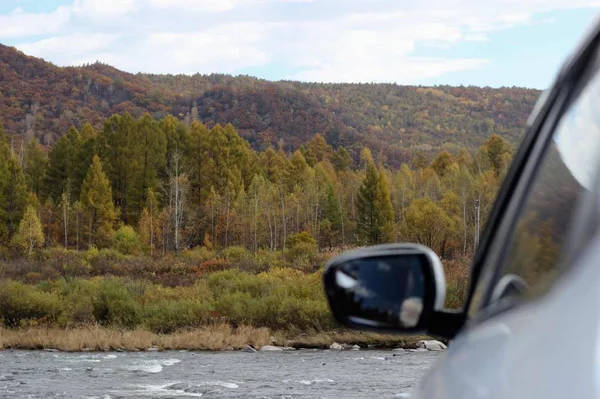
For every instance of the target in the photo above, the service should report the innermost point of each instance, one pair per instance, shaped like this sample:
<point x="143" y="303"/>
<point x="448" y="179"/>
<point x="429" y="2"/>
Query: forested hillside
<point x="39" y="100"/>
<point x="175" y="202"/>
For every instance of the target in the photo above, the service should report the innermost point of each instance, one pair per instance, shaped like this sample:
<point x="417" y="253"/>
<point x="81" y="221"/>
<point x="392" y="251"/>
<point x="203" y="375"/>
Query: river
<point x="293" y="375"/>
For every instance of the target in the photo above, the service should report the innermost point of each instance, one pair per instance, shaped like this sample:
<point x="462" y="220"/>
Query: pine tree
<point x="13" y="196"/>
<point x="62" y="164"/>
<point x="87" y="151"/>
<point x="385" y="208"/>
<point x="117" y="148"/>
<point x="96" y="197"/>
<point x="30" y="235"/>
<point x="341" y="160"/>
<point x="35" y="167"/>
<point x="368" y="227"/>
<point x="150" y="152"/>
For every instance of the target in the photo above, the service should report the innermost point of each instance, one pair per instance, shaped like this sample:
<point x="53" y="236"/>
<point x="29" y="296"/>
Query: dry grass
<point x="212" y="338"/>
<point x="216" y="337"/>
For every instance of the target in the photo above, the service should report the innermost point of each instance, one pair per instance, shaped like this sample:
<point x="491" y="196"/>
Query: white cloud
<point x="319" y="40"/>
<point x="70" y="49"/>
<point x="20" y="24"/>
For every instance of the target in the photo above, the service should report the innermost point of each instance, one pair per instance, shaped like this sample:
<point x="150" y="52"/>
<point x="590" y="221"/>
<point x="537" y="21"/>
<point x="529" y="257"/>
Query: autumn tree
<point x="30" y="235"/>
<point x="498" y="152"/>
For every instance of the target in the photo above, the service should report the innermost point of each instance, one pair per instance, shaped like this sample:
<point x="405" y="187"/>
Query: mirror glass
<point x="383" y="291"/>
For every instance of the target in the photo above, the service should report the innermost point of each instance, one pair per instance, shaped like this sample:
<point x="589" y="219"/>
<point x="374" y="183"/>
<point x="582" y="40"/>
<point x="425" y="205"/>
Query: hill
<point x="41" y="100"/>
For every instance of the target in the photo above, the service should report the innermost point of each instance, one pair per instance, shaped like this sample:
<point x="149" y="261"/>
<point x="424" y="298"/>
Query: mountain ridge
<point x="41" y="100"/>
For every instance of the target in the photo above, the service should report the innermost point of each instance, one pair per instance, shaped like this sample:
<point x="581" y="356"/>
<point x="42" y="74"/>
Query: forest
<point x="167" y="225"/>
<point x="40" y="100"/>
<point x="165" y="206"/>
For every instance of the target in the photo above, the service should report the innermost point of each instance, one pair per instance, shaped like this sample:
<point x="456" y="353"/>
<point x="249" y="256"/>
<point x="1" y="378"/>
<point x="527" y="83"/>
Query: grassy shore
<point x="211" y="338"/>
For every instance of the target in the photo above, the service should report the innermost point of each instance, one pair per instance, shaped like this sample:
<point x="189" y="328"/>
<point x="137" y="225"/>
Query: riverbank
<point x="209" y="338"/>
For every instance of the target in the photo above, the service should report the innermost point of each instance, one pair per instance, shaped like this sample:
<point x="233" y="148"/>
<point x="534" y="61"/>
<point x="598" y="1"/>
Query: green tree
<point x="30" y="235"/>
<point x="126" y="240"/>
<point x="62" y="164"/>
<point x="150" y="152"/>
<point x="117" y="147"/>
<point x="13" y="195"/>
<point x="341" y="160"/>
<point x="386" y="210"/>
<point x="96" y="198"/>
<point x="368" y="215"/>
<point x="35" y="166"/>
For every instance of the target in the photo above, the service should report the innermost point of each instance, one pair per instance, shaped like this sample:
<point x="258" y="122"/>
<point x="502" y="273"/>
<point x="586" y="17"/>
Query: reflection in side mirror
<point x="393" y="287"/>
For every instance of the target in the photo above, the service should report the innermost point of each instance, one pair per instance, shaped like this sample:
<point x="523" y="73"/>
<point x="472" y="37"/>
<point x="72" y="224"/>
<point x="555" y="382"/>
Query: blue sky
<point x="429" y="42"/>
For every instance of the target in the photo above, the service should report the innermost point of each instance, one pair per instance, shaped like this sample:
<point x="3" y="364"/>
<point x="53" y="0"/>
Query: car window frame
<point x="506" y="210"/>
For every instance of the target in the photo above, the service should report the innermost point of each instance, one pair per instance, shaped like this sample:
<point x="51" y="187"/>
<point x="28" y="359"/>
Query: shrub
<point x="198" y="254"/>
<point x="114" y="305"/>
<point x="22" y="305"/>
<point x="303" y="255"/>
<point x="235" y="254"/>
<point x="69" y="264"/>
<point x="126" y="240"/>
<point x="213" y="265"/>
<point x="303" y="237"/>
<point x="104" y="260"/>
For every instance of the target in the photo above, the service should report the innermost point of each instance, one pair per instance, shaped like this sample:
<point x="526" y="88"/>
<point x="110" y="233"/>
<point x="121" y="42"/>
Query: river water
<point x="293" y="375"/>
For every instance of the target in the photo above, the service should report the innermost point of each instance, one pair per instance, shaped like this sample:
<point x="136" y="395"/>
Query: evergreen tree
<point x="84" y="160"/>
<point x="96" y="198"/>
<point x="385" y="208"/>
<point x="62" y="164"/>
<point x="341" y="160"/>
<point x="368" y="217"/>
<point x="150" y="152"/>
<point x="35" y="167"/>
<point x="117" y="149"/>
<point x="13" y="195"/>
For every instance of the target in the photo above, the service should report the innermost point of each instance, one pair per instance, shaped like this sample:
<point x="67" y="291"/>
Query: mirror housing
<point x="387" y="288"/>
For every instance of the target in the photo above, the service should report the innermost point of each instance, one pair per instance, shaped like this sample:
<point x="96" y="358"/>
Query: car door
<point x="533" y="309"/>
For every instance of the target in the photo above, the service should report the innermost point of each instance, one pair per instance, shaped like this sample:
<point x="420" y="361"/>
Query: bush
<point x="126" y="240"/>
<point x="303" y="255"/>
<point x="295" y="239"/>
<point x="235" y="254"/>
<point x="22" y="305"/>
<point x="281" y="298"/>
<point x="114" y="305"/>
<point x="104" y="260"/>
<point x="69" y="264"/>
<point x="198" y="254"/>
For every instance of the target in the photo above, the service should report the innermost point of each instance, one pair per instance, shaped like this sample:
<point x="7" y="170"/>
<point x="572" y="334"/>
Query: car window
<point x="566" y="172"/>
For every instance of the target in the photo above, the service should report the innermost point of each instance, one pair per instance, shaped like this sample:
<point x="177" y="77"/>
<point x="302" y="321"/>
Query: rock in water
<point x="336" y="346"/>
<point x="431" y="345"/>
<point x="270" y="348"/>
<point x="355" y="348"/>
<point x="248" y="349"/>
<point x="288" y="348"/>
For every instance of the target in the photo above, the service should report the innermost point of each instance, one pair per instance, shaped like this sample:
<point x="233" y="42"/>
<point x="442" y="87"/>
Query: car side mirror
<point x="388" y="288"/>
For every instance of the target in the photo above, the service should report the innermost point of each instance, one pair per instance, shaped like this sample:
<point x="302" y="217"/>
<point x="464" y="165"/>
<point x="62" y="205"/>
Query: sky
<point x="428" y="42"/>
